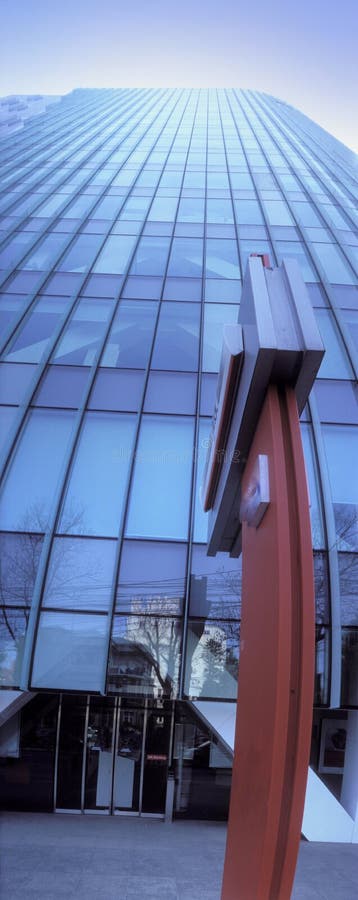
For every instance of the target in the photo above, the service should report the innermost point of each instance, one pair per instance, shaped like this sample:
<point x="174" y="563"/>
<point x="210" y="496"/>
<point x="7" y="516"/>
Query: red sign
<point x="156" y="757"/>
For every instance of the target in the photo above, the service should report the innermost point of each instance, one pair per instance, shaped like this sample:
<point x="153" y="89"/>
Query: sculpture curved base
<point x="276" y="669"/>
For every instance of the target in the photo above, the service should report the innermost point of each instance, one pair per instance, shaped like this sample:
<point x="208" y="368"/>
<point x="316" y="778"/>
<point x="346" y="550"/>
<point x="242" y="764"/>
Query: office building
<point x="127" y="218"/>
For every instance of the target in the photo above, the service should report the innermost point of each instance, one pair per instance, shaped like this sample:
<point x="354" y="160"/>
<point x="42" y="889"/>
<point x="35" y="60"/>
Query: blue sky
<point x="303" y="52"/>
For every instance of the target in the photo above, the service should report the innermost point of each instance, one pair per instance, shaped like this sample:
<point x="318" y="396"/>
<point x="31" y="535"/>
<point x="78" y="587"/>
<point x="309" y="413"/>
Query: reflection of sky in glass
<point x="302" y="53"/>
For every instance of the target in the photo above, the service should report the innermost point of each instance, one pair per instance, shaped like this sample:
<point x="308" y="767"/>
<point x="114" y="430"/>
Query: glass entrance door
<point x="127" y="780"/>
<point x="99" y="754"/>
<point x="112" y="756"/>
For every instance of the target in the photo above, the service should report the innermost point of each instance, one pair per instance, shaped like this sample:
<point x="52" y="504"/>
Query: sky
<point x="302" y="51"/>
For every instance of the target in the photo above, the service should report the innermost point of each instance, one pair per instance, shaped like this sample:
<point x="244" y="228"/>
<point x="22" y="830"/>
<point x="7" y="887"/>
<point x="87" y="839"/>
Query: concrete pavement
<point x="50" y="857"/>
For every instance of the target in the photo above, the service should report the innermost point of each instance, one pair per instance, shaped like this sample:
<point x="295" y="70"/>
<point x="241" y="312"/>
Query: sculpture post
<point x="258" y="497"/>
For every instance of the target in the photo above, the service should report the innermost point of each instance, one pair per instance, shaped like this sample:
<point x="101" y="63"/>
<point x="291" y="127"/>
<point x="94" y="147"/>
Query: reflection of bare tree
<point x="20" y="557"/>
<point x="346" y="521"/>
<point x="145" y="648"/>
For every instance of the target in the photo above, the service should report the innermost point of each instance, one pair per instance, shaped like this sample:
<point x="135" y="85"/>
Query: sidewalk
<point x="48" y="857"/>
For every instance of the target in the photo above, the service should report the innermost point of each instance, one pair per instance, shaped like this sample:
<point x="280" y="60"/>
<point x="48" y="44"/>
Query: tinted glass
<point x="159" y="502"/>
<point x="96" y="488"/>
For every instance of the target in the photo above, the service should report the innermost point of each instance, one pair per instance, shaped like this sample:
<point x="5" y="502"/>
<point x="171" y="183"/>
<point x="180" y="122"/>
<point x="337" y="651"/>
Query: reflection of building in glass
<point x="127" y="218"/>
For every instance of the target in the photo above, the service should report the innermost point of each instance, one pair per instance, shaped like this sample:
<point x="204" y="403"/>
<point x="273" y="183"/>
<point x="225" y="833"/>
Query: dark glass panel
<point x="69" y="778"/>
<point x="27" y="774"/>
<point x="349" y="694"/>
<point x="127" y="768"/>
<point x="156" y="762"/>
<point x="202" y="770"/>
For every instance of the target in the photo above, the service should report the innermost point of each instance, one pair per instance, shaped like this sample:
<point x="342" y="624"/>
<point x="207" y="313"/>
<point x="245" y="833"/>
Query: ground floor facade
<point x="144" y="757"/>
<point x="82" y="753"/>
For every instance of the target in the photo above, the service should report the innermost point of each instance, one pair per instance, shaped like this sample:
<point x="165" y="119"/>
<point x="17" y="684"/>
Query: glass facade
<point x="123" y="250"/>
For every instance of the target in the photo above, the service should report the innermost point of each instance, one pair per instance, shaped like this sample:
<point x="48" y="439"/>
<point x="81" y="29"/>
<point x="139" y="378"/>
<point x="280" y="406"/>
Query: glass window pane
<point x="70" y="651"/>
<point x="171" y="392"/>
<point x="159" y="502"/>
<point x="211" y="666"/>
<point x="254" y="246"/>
<point x="62" y="386"/>
<point x="336" y="268"/>
<point x="163" y="209"/>
<point x="341" y="446"/>
<point x="13" y="626"/>
<point x="11" y="308"/>
<point x="186" y="257"/>
<point x="32" y="480"/>
<point x="208" y="394"/>
<point x="19" y="560"/>
<point x="152" y="577"/>
<point x="222" y="259"/>
<point x="116" y="253"/>
<point x="117" y="390"/>
<point x="37" y="331"/>
<point x="81" y="253"/>
<point x="305" y="214"/>
<point x="215" y="585"/>
<point x="15" y="381"/>
<point x="46" y="253"/>
<point x="289" y="248"/>
<point x="216" y="315"/>
<point x="95" y="493"/>
<point x="130" y="339"/>
<point x="108" y="208"/>
<point x="247" y="212"/>
<point x="348" y="578"/>
<point x="135" y="209"/>
<point x="84" y="333"/>
<point x="335" y="362"/>
<point x="151" y="256"/>
<point x="277" y="212"/>
<point x="219" y="211"/>
<point x="191" y="209"/>
<point x="15" y="250"/>
<point x="201" y="518"/>
<point x="145" y="655"/>
<point x="177" y="340"/>
<point x="349" y="693"/>
<point x="80" y="574"/>
<point x="79" y="207"/>
<point x="7" y="418"/>
<point x="313" y="486"/>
